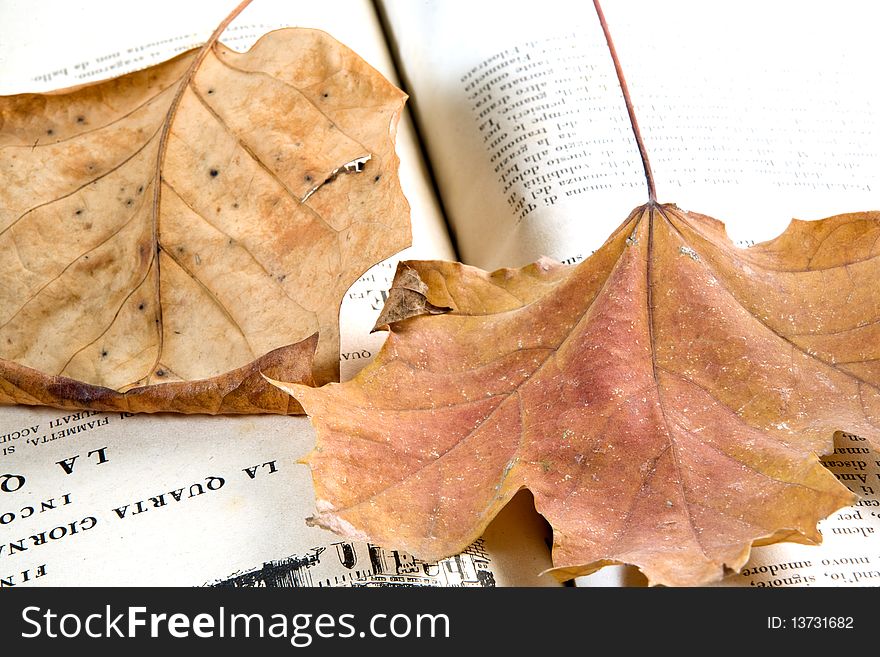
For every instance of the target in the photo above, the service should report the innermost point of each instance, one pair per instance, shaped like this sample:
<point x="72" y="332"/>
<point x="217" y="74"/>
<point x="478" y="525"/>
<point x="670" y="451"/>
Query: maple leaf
<point x="664" y="401"/>
<point x="168" y="234"/>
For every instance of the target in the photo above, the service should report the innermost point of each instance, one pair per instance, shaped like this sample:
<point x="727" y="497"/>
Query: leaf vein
<point x="253" y="257"/>
<point x="115" y="167"/>
<point x="213" y="298"/>
<point x="118" y="119"/>
<point x="36" y="294"/>
<point x="247" y="149"/>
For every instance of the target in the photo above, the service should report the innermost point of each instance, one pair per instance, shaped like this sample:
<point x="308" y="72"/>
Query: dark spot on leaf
<point x="281" y="277"/>
<point x="87" y="225"/>
<point x="376" y="179"/>
<point x="210" y="91"/>
<point x="180" y="249"/>
<point x="141" y="306"/>
<point x="325" y="95"/>
<point x="129" y="202"/>
<point x="308" y="178"/>
<point x="213" y="173"/>
<point x="80" y="119"/>
<point x="104" y="354"/>
<point x="177" y="333"/>
<point x="235" y="205"/>
<point x="231" y="241"/>
<point x="50" y="131"/>
<point x="78" y="212"/>
<point x="141" y="189"/>
<point x="160" y="372"/>
<point x="217" y="209"/>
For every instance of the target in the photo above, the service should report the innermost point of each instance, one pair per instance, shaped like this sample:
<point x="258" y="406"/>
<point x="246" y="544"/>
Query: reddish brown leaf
<point x="182" y="223"/>
<point x="664" y="400"/>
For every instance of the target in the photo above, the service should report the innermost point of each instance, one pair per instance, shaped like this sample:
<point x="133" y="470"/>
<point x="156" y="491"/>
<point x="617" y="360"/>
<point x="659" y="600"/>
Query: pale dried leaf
<point x="179" y="223"/>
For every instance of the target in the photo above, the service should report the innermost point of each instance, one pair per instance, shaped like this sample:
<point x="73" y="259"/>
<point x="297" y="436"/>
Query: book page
<point x="110" y="499"/>
<point x="751" y="113"/>
<point x="119" y="500"/>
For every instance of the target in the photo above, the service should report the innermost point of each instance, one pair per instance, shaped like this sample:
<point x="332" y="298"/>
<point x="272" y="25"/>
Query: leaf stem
<point x="226" y="21"/>
<point x="649" y="176"/>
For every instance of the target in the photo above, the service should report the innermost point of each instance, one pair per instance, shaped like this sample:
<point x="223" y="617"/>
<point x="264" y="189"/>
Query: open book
<point x="517" y="145"/>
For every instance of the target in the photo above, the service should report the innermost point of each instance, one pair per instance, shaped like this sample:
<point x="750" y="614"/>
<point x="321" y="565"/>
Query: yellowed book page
<point x="109" y="499"/>
<point x="751" y="112"/>
<point x="118" y="500"/>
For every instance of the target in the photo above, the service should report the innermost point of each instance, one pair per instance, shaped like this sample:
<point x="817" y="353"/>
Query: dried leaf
<point x="180" y="223"/>
<point x="664" y="400"/>
<point x="406" y="298"/>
